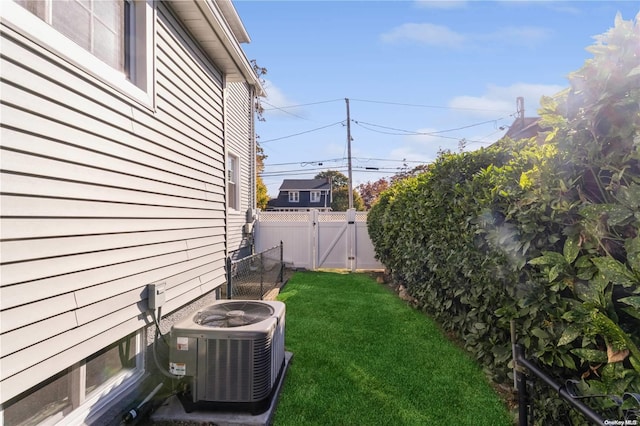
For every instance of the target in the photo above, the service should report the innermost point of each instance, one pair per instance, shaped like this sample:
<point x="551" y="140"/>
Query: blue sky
<point x="420" y="75"/>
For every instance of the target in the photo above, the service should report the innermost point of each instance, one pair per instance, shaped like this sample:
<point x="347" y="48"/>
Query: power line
<point x="426" y="106"/>
<point x="364" y="159"/>
<point x="373" y="101"/>
<point x="301" y="105"/>
<point x="302" y="133"/>
<point x="434" y="132"/>
<point x="338" y="169"/>
<point x="408" y="133"/>
<point x="281" y="109"/>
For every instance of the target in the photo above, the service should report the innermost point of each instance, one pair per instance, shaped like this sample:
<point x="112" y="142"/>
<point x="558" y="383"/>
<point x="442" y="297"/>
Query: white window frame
<point x="315" y="196"/>
<point x="233" y="176"/>
<point x="294" y="196"/>
<point x="100" y="399"/>
<point x="139" y="86"/>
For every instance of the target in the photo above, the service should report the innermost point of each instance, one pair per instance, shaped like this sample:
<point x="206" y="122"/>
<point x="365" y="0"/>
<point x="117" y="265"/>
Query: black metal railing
<point x="254" y="276"/>
<point x="565" y="392"/>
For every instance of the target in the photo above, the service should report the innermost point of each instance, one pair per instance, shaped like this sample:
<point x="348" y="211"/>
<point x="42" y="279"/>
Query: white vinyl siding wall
<point x="239" y="139"/>
<point x="101" y="196"/>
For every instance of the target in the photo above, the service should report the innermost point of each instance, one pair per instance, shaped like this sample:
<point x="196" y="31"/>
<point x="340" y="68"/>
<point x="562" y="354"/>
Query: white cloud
<point x="431" y="34"/>
<point x="422" y="147"/>
<point x="277" y="102"/>
<point x="502" y="99"/>
<point x="442" y="4"/>
<point x="439" y="35"/>
<point x="520" y="36"/>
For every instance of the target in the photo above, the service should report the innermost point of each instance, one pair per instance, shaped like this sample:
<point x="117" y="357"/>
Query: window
<point x="116" y="33"/>
<point x="233" y="189"/>
<point x="294" y="197"/>
<point x="315" y="196"/>
<point x="75" y="392"/>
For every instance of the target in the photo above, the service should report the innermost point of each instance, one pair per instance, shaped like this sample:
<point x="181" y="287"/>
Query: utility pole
<point x="349" y="154"/>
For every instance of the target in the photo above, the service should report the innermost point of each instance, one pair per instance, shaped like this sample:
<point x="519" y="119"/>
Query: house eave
<point x="216" y="27"/>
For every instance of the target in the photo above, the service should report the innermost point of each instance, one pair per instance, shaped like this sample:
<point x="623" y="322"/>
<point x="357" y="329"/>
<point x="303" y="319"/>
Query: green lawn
<point x="363" y="357"/>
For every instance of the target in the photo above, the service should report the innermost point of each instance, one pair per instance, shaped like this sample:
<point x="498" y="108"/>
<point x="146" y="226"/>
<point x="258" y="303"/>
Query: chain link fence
<point x="254" y="276"/>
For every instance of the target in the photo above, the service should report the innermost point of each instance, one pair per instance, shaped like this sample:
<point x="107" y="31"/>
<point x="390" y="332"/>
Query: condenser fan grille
<point x="233" y="314"/>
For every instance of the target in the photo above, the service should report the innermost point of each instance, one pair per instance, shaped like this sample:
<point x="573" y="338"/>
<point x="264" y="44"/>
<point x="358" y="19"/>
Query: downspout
<point x="254" y="148"/>
<point x="225" y="123"/>
<point x="254" y="161"/>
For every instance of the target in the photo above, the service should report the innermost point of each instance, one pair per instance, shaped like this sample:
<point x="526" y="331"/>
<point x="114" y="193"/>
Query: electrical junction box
<point x="156" y="295"/>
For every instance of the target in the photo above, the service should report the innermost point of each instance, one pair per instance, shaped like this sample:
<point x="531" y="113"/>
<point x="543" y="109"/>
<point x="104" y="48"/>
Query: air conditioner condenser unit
<point x="231" y="355"/>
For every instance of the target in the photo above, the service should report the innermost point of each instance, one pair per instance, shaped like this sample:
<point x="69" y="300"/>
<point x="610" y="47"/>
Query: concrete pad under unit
<point x="172" y="412"/>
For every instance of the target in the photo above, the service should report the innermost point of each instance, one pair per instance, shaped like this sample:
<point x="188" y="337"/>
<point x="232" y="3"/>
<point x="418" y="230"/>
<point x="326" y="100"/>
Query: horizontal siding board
<point x="38" y="311"/>
<point x="40" y="361"/>
<point x="94" y="170"/>
<point x="89" y="313"/>
<point x="202" y="103"/>
<point x="52" y="130"/>
<point x="34" y="312"/>
<point x="23" y="250"/>
<point x="32" y="291"/>
<point x="212" y="284"/>
<point x="55" y="188"/>
<point x="105" y="282"/>
<point x="102" y="196"/>
<point x="235" y="223"/>
<point x="21" y="206"/>
<point x="184" y="119"/>
<point x="189" y="59"/>
<point x="170" y="274"/>
<point x="22" y="80"/>
<point x="216" y="276"/>
<point x="22" y="228"/>
<point x="154" y="156"/>
<point x="30" y="335"/>
<point x="120" y="114"/>
<point x="21" y="52"/>
<point x="13" y="273"/>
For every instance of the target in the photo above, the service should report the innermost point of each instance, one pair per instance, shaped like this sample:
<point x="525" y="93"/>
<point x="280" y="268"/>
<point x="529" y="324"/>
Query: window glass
<point x="37" y="7"/>
<point x="294" y="196"/>
<point x="118" y="33"/>
<point x="52" y="400"/>
<point x="46" y="400"/>
<point x="232" y="182"/>
<point x="73" y="20"/>
<point x="110" y="362"/>
<point x="95" y="25"/>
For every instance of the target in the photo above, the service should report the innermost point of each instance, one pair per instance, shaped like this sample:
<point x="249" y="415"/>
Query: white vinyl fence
<point x="314" y="239"/>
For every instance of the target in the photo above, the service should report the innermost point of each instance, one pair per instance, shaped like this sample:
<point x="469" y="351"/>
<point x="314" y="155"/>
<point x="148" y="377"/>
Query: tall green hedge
<point x="544" y="232"/>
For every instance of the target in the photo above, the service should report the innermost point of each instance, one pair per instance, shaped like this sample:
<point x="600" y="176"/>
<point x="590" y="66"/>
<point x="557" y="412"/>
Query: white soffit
<point x="216" y="27"/>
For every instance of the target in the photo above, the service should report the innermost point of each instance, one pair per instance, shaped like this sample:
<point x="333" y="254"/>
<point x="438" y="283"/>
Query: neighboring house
<point x="128" y="158"/>
<point x="523" y="127"/>
<point x="302" y="195"/>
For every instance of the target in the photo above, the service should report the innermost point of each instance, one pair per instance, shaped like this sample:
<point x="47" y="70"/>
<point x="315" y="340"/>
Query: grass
<point x="363" y="357"/>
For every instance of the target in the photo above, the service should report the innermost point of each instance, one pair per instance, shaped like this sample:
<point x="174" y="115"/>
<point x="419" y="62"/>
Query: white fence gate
<point x="314" y="239"/>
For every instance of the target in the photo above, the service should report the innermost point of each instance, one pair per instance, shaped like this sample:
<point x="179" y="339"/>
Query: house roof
<point x="523" y="128"/>
<point x="305" y="185"/>
<point x="218" y="29"/>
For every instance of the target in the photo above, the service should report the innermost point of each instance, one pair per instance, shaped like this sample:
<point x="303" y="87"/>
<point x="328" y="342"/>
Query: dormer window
<point x="294" y="196"/>
<point x="315" y="196"/>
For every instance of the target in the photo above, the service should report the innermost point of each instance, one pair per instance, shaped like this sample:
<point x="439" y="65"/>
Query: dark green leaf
<point x="571" y="248"/>
<point x="571" y="333"/>
<point x="614" y="271"/>
<point x="591" y="355"/>
<point x="631" y="301"/>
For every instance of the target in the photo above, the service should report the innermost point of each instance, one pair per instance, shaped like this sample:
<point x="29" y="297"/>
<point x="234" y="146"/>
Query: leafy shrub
<point x="544" y="232"/>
